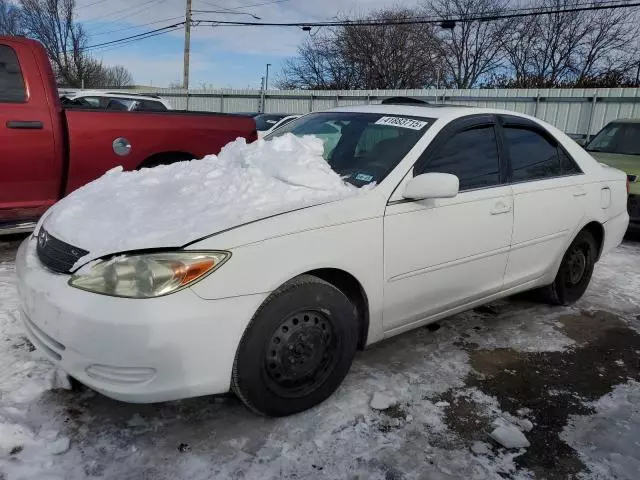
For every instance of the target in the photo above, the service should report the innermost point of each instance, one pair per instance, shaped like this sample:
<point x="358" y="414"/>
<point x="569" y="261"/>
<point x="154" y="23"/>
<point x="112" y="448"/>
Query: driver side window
<point x="471" y="155"/>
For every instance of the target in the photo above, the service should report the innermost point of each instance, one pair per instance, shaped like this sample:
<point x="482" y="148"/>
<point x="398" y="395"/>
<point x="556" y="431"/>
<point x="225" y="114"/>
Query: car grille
<point x="57" y="255"/>
<point x="633" y="205"/>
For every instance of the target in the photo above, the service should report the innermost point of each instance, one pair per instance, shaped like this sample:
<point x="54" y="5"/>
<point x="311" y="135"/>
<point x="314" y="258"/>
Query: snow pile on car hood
<point x="174" y="204"/>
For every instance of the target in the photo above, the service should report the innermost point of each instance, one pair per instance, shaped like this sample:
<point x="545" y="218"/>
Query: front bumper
<point x="134" y="350"/>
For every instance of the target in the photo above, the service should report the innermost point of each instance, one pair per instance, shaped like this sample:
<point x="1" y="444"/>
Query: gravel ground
<point x="566" y="378"/>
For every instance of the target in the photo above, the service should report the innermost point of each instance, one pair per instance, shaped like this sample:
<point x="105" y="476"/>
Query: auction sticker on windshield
<point x="402" y="122"/>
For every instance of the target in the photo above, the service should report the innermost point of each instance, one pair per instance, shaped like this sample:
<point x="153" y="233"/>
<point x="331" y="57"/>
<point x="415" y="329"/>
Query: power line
<point x="138" y="36"/>
<point x="135" y="26"/>
<point x="414" y="20"/>
<point x="91" y="4"/>
<point x="246" y="6"/>
<point x="116" y="12"/>
<point x="422" y="20"/>
<point x="125" y="43"/>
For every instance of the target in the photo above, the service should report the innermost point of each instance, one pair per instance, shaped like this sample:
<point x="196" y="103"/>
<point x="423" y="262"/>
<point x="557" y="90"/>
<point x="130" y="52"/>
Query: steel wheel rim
<point x="300" y="354"/>
<point x="577" y="264"/>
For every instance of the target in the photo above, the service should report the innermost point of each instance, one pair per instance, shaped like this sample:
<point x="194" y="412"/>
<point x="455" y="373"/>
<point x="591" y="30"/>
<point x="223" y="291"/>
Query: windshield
<point x="266" y="121"/>
<point x="622" y="138"/>
<point x="362" y="147"/>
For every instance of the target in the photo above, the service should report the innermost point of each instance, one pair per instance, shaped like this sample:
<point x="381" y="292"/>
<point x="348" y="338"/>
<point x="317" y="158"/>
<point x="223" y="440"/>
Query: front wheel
<point x="297" y="349"/>
<point x="575" y="271"/>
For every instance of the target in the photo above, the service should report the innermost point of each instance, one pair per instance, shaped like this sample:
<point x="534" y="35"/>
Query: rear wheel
<point x="575" y="271"/>
<point x="297" y="349"/>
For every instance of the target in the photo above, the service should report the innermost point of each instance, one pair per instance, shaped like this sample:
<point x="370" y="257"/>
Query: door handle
<point x="579" y="192"/>
<point x="25" y="124"/>
<point x="500" y="208"/>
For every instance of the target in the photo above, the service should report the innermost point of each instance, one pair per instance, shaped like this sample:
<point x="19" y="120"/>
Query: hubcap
<point x="577" y="265"/>
<point x="300" y="353"/>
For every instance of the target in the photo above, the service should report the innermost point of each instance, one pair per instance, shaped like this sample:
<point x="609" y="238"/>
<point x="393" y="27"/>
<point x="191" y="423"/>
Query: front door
<point x="443" y="253"/>
<point x="30" y="178"/>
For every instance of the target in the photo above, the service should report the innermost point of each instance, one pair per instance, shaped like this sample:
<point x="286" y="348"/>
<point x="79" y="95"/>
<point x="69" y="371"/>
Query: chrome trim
<point x="11" y="229"/>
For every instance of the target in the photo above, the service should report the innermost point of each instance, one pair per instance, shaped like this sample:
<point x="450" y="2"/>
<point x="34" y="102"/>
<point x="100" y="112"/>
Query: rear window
<point x="12" y="88"/>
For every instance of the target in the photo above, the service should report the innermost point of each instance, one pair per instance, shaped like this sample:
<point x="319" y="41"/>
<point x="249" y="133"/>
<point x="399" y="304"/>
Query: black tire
<point x="575" y="271"/>
<point x="297" y="348"/>
<point x="168" y="159"/>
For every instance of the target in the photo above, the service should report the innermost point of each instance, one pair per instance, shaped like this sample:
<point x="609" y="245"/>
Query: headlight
<point x="148" y="275"/>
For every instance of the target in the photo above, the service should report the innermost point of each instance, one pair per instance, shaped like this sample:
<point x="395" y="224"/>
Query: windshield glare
<point x="361" y="147"/>
<point x="622" y="138"/>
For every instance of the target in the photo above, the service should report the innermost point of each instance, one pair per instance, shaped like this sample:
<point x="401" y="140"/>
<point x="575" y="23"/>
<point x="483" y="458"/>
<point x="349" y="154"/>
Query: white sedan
<point x="434" y="210"/>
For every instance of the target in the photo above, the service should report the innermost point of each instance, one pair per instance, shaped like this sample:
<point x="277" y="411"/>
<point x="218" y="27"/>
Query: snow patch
<point x="174" y="204"/>
<point x="381" y="401"/>
<point x="510" y="437"/>
<point x="607" y="441"/>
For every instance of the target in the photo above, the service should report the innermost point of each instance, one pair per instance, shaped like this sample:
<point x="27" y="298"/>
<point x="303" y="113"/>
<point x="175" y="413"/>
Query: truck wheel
<point x="575" y="271"/>
<point x="297" y="349"/>
<point x="165" y="159"/>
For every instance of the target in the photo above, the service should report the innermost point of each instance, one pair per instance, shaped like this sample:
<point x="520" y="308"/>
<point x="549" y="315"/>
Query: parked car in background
<point x="462" y="206"/>
<point x="117" y="101"/>
<point x="618" y="145"/>
<point x="48" y="151"/>
<point x="278" y="124"/>
<point x="265" y="121"/>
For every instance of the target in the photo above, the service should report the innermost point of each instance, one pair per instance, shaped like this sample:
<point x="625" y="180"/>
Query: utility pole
<point x="187" y="45"/>
<point x="261" y="109"/>
<point x="266" y="78"/>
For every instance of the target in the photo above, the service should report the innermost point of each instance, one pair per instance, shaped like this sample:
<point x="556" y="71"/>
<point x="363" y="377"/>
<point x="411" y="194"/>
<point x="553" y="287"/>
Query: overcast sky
<point x="220" y="56"/>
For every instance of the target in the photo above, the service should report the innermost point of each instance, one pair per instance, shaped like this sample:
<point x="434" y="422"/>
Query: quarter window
<point x="533" y="156"/>
<point x="11" y="83"/>
<point x="471" y="155"/>
<point x="569" y="166"/>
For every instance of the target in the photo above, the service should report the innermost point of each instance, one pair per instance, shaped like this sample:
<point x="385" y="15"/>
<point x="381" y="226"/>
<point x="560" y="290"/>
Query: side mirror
<point x="432" y="185"/>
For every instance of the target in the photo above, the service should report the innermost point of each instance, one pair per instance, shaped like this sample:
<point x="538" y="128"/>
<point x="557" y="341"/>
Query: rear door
<point x="443" y="253"/>
<point x="29" y="164"/>
<point x="549" y="199"/>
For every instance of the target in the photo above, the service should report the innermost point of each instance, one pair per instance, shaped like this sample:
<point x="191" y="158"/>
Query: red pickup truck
<point x="47" y="151"/>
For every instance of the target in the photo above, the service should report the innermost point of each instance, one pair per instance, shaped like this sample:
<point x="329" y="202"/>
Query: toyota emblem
<point x="43" y="238"/>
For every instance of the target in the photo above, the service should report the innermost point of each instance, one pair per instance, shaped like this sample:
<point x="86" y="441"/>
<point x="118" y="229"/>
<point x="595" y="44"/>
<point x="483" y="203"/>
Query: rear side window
<point x="150" y="106"/>
<point x="471" y="155"/>
<point x="533" y="156"/>
<point x="11" y="83"/>
<point x="568" y="164"/>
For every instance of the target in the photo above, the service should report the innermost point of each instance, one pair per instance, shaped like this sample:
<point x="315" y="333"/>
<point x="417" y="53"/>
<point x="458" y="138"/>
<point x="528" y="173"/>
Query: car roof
<point x="626" y="120"/>
<point x="433" y="111"/>
<point x="130" y="96"/>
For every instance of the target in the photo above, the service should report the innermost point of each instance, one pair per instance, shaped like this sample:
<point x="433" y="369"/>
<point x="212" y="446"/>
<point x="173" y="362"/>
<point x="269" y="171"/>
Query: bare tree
<point x="609" y="44"/>
<point x="52" y="22"/>
<point x="372" y="56"/>
<point x="472" y="49"/>
<point x="392" y="55"/>
<point x="570" y="48"/>
<point x="118" y="76"/>
<point x="319" y="65"/>
<point x="10" y="22"/>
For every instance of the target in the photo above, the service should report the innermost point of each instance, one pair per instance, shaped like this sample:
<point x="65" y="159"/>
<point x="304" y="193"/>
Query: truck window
<point x="11" y="83"/>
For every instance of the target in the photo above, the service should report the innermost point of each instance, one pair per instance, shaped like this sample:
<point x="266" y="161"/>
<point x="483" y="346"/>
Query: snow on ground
<point x="48" y="434"/>
<point x="174" y="204"/>
<point x="609" y="440"/>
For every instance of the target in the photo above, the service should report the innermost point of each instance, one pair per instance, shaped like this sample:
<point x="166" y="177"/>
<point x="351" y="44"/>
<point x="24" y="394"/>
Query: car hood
<point x="630" y="164"/>
<point x="174" y="205"/>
